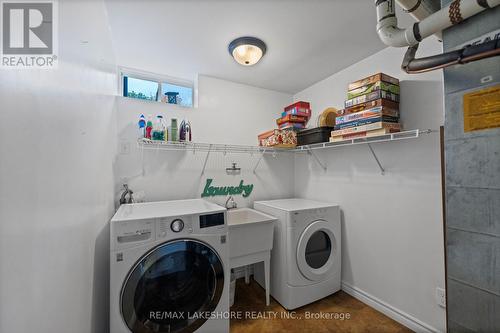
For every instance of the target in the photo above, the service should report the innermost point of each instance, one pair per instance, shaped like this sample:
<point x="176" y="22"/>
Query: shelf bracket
<point x="311" y="152"/>
<point x="206" y="160"/>
<point x="382" y="170"/>
<point x="258" y="161"/>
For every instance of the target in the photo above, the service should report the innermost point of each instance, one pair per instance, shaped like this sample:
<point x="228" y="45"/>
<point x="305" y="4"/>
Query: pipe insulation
<point x="412" y="65"/>
<point x="453" y="13"/>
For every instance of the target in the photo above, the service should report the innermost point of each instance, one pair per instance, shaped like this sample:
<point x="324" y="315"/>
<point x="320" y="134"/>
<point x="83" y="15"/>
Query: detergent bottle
<point x="142" y="126"/>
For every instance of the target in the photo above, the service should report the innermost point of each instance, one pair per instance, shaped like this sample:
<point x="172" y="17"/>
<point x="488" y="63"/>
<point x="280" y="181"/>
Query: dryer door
<point x="171" y="286"/>
<point x="316" y="250"/>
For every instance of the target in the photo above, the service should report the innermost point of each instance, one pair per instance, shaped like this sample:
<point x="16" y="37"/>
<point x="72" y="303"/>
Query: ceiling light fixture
<point x="247" y="51"/>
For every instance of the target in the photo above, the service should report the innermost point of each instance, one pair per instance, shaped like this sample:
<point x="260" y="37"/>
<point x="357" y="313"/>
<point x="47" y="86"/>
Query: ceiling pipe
<point x="454" y="13"/>
<point x="412" y="65"/>
<point x="420" y="9"/>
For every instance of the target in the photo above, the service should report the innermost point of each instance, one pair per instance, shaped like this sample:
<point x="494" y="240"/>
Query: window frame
<point x="160" y="80"/>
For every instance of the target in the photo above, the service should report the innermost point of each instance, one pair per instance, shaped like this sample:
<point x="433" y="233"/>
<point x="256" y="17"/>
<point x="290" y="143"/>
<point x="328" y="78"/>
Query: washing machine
<point x="169" y="268"/>
<point x="306" y="255"/>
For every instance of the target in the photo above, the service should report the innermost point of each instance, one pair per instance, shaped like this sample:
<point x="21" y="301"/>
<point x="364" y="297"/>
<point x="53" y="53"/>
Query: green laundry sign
<point x="213" y="191"/>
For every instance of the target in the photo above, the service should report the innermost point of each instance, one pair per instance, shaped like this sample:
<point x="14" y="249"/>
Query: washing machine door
<point x="316" y="250"/>
<point x="172" y="288"/>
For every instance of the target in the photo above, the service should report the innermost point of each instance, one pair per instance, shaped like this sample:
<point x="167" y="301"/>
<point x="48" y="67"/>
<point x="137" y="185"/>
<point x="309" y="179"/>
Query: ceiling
<point x="308" y="40"/>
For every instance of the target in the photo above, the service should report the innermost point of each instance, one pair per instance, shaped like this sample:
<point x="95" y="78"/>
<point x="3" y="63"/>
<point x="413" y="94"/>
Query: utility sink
<point x="250" y="231"/>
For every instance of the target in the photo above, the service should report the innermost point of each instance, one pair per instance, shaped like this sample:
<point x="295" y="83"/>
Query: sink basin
<point x="250" y="231"/>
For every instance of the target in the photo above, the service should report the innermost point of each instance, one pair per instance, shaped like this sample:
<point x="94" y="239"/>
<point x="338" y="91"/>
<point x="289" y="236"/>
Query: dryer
<point x="169" y="268"/>
<point x="306" y="255"/>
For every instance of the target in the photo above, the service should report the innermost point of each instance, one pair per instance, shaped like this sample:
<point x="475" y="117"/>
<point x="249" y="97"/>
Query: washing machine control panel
<point x="131" y="233"/>
<point x="178" y="226"/>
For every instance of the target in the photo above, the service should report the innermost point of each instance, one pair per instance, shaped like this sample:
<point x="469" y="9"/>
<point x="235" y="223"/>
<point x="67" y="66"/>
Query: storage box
<point x="297" y="112"/>
<point x="366" y="121"/>
<point x="298" y="106"/>
<point x="370" y="97"/>
<point x="296" y="126"/>
<point x="367" y="128"/>
<point x="314" y="135"/>
<point x="264" y="136"/>
<point x="386" y="104"/>
<point x="370" y="113"/>
<point x="374" y="86"/>
<point x="369" y="134"/>
<point x="372" y="79"/>
<point x="278" y="138"/>
<point x="291" y="118"/>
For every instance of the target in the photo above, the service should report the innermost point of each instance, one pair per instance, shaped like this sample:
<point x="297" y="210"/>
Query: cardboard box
<point x="372" y="79"/>
<point x="370" y="113"/>
<point x="366" y="121"/>
<point x="278" y="138"/>
<point x="386" y="104"/>
<point x="366" y="128"/>
<point x="292" y="118"/>
<point x="370" y="97"/>
<point x="298" y="106"/>
<point x="374" y="86"/>
<point x="369" y="134"/>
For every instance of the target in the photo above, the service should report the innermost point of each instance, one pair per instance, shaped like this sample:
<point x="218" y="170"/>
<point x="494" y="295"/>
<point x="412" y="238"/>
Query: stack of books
<point x="295" y="116"/>
<point x="372" y="109"/>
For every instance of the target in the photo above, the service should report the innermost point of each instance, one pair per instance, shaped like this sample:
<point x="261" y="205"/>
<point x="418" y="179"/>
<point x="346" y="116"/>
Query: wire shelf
<point x="261" y="151"/>
<point x="226" y="148"/>
<point x="209" y="147"/>
<point x="412" y="134"/>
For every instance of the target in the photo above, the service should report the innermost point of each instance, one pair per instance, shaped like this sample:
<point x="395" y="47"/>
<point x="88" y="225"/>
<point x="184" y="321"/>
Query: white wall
<point x="56" y="193"/>
<point x="392" y="224"/>
<point x="227" y="112"/>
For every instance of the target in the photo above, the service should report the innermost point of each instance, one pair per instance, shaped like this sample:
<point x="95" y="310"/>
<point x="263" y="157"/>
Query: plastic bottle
<point x="167" y="132"/>
<point x="185" y="131"/>
<point x="173" y="130"/>
<point x="142" y="126"/>
<point x="159" y="129"/>
<point x="149" y="127"/>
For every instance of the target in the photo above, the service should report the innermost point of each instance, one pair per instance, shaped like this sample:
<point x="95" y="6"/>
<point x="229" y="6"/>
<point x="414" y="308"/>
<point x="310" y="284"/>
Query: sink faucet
<point x="123" y="198"/>
<point x="230" y="203"/>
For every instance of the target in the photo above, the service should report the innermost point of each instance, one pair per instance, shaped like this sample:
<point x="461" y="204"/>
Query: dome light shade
<point x="247" y="51"/>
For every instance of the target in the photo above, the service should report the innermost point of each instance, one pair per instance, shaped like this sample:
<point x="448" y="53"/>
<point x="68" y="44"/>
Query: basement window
<point x="140" y="89"/>
<point x="150" y="87"/>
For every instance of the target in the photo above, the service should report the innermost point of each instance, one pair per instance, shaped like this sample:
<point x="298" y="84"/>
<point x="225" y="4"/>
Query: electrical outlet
<point x="441" y="297"/>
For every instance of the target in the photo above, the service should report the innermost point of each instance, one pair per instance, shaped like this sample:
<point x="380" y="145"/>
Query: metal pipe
<point x="453" y="13"/>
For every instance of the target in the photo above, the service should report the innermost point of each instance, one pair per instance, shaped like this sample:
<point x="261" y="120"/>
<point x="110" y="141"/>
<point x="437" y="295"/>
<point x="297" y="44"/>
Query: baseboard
<point x="401" y="317"/>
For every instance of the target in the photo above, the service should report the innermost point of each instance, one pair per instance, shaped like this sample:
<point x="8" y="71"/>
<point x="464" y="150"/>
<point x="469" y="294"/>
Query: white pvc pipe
<point x="419" y="10"/>
<point x="392" y="35"/>
<point x="416" y="8"/>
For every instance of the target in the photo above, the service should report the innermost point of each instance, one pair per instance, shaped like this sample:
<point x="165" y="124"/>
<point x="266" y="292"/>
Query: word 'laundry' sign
<point x="212" y="191"/>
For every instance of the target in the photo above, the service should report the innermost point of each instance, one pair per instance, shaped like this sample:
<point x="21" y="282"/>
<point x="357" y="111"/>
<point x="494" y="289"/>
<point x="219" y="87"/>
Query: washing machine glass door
<point x="173" y="288"/>
<point x="316" y="250"/>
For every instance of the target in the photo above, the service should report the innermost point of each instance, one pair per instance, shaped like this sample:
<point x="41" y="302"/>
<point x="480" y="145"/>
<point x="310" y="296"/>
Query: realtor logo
<point x="28" y="34"/>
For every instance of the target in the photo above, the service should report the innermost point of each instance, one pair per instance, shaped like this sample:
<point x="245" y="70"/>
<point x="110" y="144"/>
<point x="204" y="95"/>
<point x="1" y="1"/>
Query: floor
<point x="362" y="318"/>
